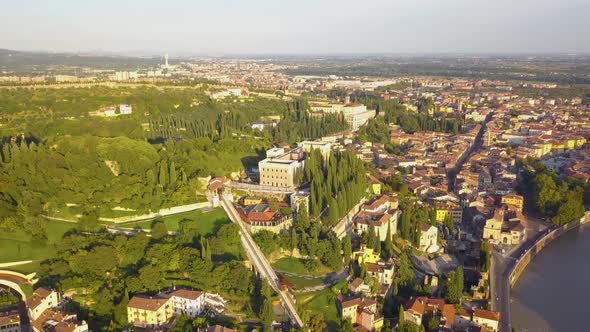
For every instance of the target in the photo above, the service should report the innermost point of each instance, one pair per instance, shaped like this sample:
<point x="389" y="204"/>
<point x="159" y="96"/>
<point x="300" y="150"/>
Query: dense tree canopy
<point x="110" y="268"/>
<point x="548" y="195"/>
<point x="340" y="179"/>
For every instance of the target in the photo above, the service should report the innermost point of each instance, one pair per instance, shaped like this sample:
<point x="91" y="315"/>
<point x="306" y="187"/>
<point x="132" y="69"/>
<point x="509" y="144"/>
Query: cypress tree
<point x="172" y="173"/>
<point x="6" y="153"/>
<point x="401" y="321"/>
<point x="388" y="246"/>
<point x="162" y="175"/>
<point x="371" y="236"/>
<point x="347" y="249"/>
<point x="333" y="212"/>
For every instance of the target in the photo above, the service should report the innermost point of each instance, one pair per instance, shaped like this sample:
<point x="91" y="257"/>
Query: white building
<point x="41" y="300"/>
<point x="232" y="92"/>
<point x="262" y="125"/>
<point x="324" y="147"/>
<point x="154" y="73"/>
<point x="489" y="319"/>
<point x="279" y="172"/>
<point x="475" y="116"/>
<point x="106" y="112"/>
<point x="188" y="302"/>
<point x="215" y="302"/>
<point x="121" y="76"/>
<point x="125" y="109"/>
<point x="428" y="238"/>
<point x="357" y="115"/>
<point x="354" y="114"/>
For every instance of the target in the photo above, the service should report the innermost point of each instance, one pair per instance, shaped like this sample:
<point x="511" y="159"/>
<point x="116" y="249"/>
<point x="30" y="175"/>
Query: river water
<point x="553" y="293"/>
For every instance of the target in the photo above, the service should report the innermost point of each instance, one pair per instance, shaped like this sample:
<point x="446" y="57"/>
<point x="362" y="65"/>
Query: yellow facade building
<point x="366" y="255"/>
<point x="446" y="209"/>
<point x="149" y="312"/>
<point x="513" y="200"/>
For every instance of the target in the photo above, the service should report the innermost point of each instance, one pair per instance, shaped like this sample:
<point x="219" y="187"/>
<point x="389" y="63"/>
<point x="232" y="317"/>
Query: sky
<point x="225" y="27"/>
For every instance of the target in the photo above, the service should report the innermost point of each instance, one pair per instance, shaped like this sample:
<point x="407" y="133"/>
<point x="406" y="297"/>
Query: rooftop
<point x="147" y="303"/>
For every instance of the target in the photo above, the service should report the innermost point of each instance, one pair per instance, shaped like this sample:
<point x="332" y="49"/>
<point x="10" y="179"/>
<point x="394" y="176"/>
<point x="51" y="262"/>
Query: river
<point x="553" y="293"/>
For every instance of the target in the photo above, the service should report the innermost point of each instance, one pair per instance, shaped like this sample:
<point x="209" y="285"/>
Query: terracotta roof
<point x="486" y="314"/>
<point x="425" y="227"/>
<point x="361" y="302"/>
<point x="219" y="328"/>
<point x="187" y="294"/>
<point x="423" y="304"/>
<point x="376" y="218"/>
<point x="9" y="318"/>
<point x="261" y="216"/>
<point x="448" y="312"/>
<point x="377" y="203"/>
<point x="59" y="321"/>
<point x="216" y="183"/>
<point x="146" y="303"/>
<point x="356" y="283"/>
<point x="66" y="327"/>
<point x="38" y="296"/>
<point x="374" y="180"/>
<point x="379" y="268"/>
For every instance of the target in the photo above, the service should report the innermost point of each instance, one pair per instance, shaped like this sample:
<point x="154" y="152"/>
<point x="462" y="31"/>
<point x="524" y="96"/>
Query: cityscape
<point x="387" y="189"/>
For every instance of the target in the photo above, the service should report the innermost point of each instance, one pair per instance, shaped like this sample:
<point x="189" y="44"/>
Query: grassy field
<point x="297" y="266"/>
<point x="301" y="283"/>
<point x="18" y="246"/>
<point x="209" y="221"/>
<point x="26" y="268"/>
<point x="323" y="302"/>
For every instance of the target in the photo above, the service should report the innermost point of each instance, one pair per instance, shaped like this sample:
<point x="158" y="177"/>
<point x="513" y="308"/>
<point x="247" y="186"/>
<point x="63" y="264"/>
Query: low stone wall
<point x="161" y="213"/>
<point x="346" y="221"/>
<point x="520" y="265"/>
<point x="9" y="264"/>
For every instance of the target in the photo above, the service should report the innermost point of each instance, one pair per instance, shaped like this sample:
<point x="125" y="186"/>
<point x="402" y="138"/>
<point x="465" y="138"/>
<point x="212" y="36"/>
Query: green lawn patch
<point x="209" y="221"/>
<point x="297" y="266"/>
<point x="323" y="302"/>
<point x="17" y="246"/>
<point x="25" y="268"/>
<point x="301" y="283"/>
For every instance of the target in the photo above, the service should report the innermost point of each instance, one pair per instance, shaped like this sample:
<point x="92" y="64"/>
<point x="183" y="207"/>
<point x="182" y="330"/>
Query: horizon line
<point x="188" y="54"/>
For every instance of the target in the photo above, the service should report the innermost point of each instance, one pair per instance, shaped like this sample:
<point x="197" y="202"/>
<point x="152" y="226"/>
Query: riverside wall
<point x="518" y="267"/>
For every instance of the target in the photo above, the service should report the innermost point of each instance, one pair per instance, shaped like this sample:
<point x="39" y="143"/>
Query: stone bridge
<point x="14" y="280"/>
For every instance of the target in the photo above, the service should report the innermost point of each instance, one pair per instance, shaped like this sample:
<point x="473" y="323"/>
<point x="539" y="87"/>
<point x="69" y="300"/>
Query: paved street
<point x="503" y="259"/>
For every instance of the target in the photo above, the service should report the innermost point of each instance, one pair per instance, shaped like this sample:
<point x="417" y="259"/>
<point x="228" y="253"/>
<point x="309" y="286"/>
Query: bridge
<point x="260" y="263"/>
<point x="16" y="281"/>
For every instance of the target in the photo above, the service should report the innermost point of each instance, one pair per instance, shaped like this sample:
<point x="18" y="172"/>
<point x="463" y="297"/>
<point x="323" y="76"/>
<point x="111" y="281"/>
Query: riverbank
<point x="563" y="281"/>
<point x="537" y="247"/>
<point x="506" y="270"/>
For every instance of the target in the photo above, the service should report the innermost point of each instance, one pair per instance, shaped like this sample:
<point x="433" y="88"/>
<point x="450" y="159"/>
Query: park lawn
<point x="296" y="266"/>
<point x="301" y="283"/>
<point x="25" y="268"/>
<point x="17" y="246"/>
<point x="323" y="302"/>
<point x="209" y="221"/>
<point x="17" y="250"/>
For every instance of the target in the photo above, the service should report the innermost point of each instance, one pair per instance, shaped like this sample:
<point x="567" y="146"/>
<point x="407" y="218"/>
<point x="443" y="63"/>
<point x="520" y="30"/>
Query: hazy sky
<point x="296" y="26"/>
